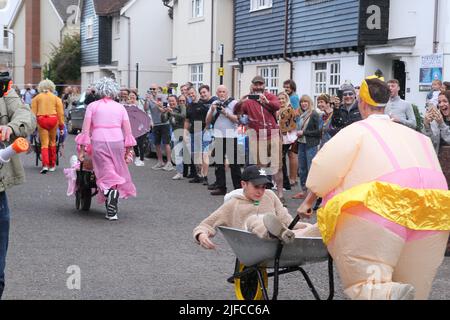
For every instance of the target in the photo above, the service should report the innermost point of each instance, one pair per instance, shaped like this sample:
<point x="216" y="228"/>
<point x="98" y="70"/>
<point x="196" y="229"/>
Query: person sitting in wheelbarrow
<point x="255" y="209"/>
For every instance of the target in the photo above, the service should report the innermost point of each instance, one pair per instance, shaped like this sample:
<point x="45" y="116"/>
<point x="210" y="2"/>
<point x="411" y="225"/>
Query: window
<point x="89" y="28"/>
<point x="196" y="74"/>
<point x="270" y="74"/>
<point x="197" y="8"/>
<point x="327" y="78"/>
<point x="260" y="4"/>
<point x="90" y="78"/>
<point x="5" y="38"/>
<point x="117" y="26"/>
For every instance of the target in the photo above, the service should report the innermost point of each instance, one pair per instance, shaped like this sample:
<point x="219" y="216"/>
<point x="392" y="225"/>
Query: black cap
<point x="255" y="175"/>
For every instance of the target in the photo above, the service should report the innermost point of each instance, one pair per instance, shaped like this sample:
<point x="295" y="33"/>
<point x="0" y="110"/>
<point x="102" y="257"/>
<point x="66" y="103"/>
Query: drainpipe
<point x="129" y="50"/>
<point x="286" y="20"/>
<point x="435" y="32"/>
<point x="212" y="45"/>
<point x="166" y="4"/>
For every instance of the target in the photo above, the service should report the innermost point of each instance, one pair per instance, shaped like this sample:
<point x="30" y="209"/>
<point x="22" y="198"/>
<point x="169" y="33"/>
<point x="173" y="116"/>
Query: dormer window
<point x="89" y="28"/>
<point x="260" y="4"/>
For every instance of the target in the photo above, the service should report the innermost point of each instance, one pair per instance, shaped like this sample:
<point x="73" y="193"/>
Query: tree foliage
<point x="419" y="118"/>
<point x="65" y="61"/>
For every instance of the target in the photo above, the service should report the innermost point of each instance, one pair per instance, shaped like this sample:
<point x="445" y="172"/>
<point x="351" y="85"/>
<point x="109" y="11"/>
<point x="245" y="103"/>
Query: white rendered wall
<point x="19" y="49"/>
<point x="350" y="70"/>
<point x="192" y="40"/>
<point x="151" y="44"/>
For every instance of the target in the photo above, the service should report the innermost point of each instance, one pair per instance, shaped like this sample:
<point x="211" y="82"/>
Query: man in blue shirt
<point x="290" y="87"/>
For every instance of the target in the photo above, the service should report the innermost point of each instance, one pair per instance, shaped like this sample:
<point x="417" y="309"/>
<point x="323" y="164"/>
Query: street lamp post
<point x="13" y="52"/>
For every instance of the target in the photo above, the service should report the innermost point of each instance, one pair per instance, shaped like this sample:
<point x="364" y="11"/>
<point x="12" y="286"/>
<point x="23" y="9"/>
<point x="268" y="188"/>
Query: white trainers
<point x="44" y="170"/>
<point x="168" y="167"/>
<point x="113" y="218"/>
<point x="52" y="169"/>
<point x="139" y="163"/>
<point x="158" y="166"/>
<point x="111" y="204"/>
<point x="178" y="176"/>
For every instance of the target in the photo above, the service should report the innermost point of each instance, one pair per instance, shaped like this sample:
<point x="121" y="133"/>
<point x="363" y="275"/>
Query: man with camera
<point x="347" y="112"/>
<point x="16" y="120"/>
<point x="159" y="110"/>
<point x="28" y="94"/>
<point x="221" y="116"/>
<point x="264" y="134"/>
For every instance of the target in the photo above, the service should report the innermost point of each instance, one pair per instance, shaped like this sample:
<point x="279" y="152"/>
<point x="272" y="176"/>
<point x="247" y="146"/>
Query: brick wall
<point x="32" y="41"/>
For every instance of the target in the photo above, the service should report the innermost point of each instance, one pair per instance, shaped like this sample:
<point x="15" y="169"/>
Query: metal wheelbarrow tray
<point x="255" y="255"/>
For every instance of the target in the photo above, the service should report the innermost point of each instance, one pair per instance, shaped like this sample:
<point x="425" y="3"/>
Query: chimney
<point x="33" y="41"/>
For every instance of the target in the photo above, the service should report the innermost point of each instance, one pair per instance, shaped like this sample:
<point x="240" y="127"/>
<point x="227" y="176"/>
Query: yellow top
<point x="47" y="104"/>
<point x="412" y="208"/>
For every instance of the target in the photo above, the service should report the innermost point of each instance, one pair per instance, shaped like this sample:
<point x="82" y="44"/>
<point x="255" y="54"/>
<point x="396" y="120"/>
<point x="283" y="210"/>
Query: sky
<point x="7" y="11"/>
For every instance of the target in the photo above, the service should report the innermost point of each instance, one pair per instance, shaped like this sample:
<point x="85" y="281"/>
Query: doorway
<point x="399" y="72"/>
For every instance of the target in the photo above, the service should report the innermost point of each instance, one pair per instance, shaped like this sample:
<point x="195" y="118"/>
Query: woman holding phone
<point x="437" y="127"/>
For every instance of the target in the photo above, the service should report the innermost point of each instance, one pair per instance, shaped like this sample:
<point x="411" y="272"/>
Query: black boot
<point x="196" y="179"/>
<point x="219" y="192"/>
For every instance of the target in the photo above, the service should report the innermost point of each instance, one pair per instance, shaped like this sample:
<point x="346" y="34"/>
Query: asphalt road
<point x="148" y="254"/>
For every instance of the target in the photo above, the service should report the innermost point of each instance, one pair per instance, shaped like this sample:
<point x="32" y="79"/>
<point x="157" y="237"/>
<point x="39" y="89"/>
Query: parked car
<point x="75" y="115"/>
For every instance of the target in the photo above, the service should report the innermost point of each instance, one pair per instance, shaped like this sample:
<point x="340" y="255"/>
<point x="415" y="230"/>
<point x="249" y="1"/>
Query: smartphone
<point x="253" y="97"/>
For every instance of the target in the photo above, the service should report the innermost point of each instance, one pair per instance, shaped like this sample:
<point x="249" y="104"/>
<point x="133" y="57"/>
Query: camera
<point x="5" y="83"/>
<point x="165" y="104"/>
<point x="219" y="106"/>
<point x="253" y="97"/>
<point x="340" y="94"/>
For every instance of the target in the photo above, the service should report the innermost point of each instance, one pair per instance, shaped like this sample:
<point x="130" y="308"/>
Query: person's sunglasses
<point x="152" y="89"/>
<point x="348" y="94"/>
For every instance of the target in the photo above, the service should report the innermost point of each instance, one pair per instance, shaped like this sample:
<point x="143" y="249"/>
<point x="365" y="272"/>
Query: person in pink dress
<point x="107" y="129"/>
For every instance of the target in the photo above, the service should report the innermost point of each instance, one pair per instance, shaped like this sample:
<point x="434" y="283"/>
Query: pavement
<point x="57" y="252"/>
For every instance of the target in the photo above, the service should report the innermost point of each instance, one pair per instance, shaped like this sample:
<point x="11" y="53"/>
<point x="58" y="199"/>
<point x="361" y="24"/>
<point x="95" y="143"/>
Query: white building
<point x="199" y="28"/>
<point x="118" y="35"/>
<point x="39" y="26"/>
<point x="412" y="25"/>
<point x="7" y="36"/>
<point x="326" y="47"/>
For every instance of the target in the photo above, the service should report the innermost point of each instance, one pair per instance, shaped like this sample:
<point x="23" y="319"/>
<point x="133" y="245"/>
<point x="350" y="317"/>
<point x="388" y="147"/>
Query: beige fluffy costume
<point x="241" y="213"/>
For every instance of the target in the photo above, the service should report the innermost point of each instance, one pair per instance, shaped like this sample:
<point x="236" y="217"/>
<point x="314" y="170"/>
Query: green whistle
<point x="256" y="203"/>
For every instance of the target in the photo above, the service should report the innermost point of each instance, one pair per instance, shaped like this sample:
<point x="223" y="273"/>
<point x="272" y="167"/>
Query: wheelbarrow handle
<point x="294" y="222"/>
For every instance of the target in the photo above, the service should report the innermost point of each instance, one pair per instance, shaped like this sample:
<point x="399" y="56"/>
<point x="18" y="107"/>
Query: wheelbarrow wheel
<point x="85" y="199"/>
<point x="38" y="156"/>
<point x="77" y="199"/>
<point x="247" y="287"/>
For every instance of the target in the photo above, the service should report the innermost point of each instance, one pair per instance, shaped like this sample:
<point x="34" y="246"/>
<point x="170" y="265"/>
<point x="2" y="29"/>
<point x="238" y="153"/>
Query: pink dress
<point x="107" y="128"/>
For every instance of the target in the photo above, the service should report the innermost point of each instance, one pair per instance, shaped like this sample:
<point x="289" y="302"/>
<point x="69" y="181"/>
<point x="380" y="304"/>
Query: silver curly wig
<point x="107" y="87"/>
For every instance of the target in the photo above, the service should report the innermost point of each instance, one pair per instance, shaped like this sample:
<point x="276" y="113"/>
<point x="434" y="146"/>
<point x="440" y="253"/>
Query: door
<point x="400" y="75"/>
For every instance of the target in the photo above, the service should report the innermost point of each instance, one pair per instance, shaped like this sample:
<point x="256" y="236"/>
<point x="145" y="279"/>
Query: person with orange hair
<point x="385" y="217"/>
<point x="49" y="112"/>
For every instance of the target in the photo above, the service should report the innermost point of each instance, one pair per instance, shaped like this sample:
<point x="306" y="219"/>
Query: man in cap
<point x="252" y="208"/>
<point x="264" y="133"/>
<point x="346" y="113"/>
<point x="385" y="213"/>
